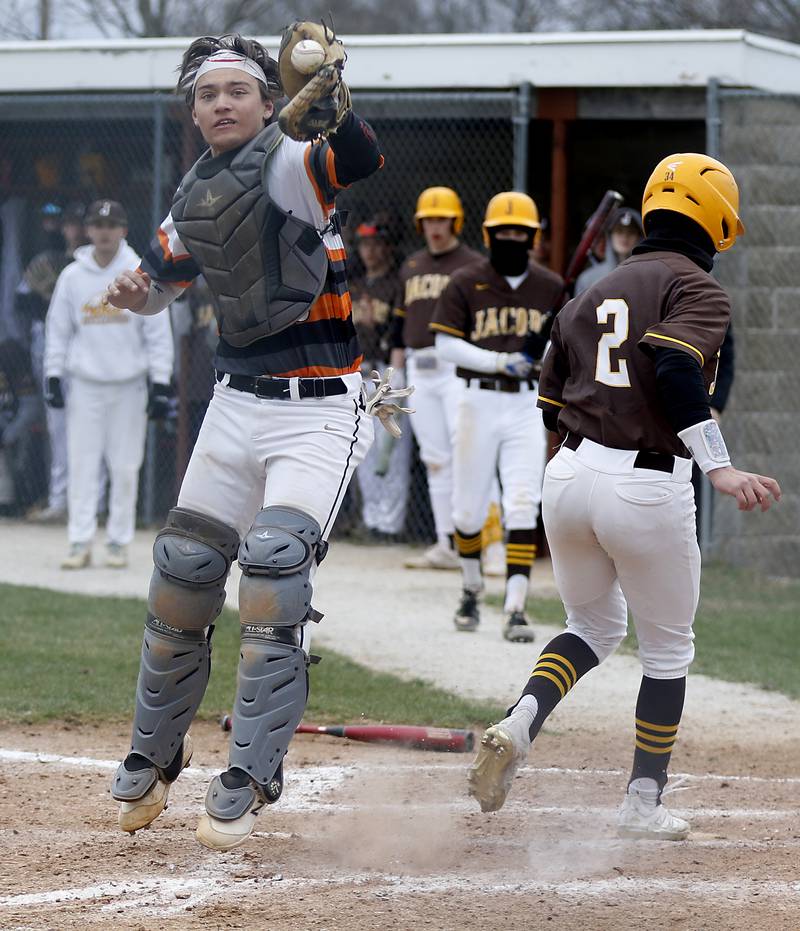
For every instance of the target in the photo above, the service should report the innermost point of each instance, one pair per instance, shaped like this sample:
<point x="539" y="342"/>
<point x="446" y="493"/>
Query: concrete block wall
<point x="760" y="142"/>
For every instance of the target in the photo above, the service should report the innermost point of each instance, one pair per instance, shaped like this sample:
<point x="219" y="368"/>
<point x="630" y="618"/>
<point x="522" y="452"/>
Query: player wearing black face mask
<point x="488" y="312"/>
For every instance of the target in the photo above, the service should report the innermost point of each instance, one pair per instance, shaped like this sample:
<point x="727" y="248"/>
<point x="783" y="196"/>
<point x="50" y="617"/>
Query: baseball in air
<point x="307" y="56"/>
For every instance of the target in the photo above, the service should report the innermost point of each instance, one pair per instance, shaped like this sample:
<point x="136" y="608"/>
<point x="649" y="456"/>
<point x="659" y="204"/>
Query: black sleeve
<point x="356" y="151"/>
<point x="680" y="384"/>
<point x="722" y="389"/>
<point x="550" y="419"/>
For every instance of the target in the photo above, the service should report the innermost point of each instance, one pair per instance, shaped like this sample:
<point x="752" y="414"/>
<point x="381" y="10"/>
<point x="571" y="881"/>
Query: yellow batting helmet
<point x="510" y="208"/>
<point x="440" y="202"/>
<point x="701" y="188"/>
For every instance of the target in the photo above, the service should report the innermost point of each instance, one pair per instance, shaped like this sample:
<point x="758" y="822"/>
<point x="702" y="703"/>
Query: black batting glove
<point x="158" y="401"/>
<point x="53" y="395"/>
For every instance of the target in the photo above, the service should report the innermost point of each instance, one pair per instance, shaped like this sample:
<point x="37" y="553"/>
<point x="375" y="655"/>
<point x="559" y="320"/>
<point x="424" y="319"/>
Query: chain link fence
<point x="60" y="152"/>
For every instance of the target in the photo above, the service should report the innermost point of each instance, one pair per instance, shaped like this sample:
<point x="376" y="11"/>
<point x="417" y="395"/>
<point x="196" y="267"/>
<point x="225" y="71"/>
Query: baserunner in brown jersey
<point x="627" y="382"/>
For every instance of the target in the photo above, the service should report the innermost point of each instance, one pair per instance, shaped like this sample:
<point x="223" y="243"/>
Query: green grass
<point x="747" y="628"/>
<point x="75" y="657"/>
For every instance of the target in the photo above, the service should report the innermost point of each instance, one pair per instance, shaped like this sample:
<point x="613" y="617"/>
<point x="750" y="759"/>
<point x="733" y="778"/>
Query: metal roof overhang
<point x="671" y="59"/>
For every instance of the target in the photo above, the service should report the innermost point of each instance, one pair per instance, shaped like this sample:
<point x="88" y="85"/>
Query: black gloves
<point x="158" y="401"/>
<point x="53" y="395"/>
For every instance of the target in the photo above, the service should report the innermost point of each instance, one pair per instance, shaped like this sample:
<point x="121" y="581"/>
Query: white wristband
<point x="705" y="442"/>
<point x="161" y="295"/>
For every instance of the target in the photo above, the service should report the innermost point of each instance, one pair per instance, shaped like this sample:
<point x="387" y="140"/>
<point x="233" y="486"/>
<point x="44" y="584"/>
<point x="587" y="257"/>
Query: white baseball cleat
<point x="79" y="556"/>
<point x="217" y="834"/>
<point x="642" y="815"/>
<point x="116" y="556"/>
<point x="503" y="749"/>
<point x="135" y="815"/>
<point x="435" y="557"/>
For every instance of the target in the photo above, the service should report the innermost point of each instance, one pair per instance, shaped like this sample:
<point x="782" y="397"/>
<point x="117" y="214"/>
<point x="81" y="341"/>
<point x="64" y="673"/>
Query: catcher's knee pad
<point x="276" y="557"/>
<point x="192" y="557"/>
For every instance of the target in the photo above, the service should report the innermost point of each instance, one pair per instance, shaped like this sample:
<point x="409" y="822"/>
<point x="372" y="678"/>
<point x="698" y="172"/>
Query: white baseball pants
<point x="622" y="536"/>
<point x="437" y="390"/>
<point x="105" y="421"/>
<point x="498" y="432"/>
<point x="260" y="452"/>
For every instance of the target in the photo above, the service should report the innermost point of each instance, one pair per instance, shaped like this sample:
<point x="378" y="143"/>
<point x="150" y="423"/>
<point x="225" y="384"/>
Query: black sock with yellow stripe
<point x="562" y="662"/>
<point x="520" y="552"/>
<point x="658" y="714"/>
<point x="468" y="545"/>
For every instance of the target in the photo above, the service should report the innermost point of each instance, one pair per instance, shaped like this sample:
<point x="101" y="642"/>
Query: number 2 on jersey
<point x="604" y="372"/>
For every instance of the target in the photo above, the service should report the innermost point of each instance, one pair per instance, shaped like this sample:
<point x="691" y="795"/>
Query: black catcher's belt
<point x="264" y="386"/>
<point x="645" y="459"/>
<point x="502" y="384"/>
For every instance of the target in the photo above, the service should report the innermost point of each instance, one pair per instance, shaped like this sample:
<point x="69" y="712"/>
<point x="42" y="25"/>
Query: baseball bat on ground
<point x="406" y="735"/>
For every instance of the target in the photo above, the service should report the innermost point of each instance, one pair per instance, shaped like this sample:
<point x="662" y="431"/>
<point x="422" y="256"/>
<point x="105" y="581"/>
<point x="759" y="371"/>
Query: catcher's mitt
<point x="319" y="101"/>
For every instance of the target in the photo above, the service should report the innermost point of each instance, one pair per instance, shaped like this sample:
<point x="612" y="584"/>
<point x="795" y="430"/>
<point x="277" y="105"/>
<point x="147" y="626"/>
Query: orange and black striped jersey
<point x="303" y="178"/>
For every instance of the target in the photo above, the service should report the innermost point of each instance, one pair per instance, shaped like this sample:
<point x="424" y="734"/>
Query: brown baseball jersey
<point x="479" y="305"/>
<point x="374" y="300"/>
<point x="598" y="371"/>
<point x="423" y="277"/>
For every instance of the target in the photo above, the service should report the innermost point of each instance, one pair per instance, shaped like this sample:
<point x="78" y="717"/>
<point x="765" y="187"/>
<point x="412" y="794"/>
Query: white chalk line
<point x="26" y="756"/>
<point x="171" y="894"/>
<point x="308" y="783"/>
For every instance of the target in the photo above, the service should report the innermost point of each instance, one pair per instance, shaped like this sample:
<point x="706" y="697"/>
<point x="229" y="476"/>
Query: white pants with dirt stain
<point x="621" y="537"/>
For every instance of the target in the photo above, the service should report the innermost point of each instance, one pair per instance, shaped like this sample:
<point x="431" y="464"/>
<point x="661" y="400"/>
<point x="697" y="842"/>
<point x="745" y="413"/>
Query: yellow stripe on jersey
<point x="446" y="329"/>
<point x="679" y="342"/>
<point x="551" y="401"/>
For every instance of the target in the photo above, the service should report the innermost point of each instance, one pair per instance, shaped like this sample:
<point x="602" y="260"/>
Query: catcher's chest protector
<point x="264" y="267"/>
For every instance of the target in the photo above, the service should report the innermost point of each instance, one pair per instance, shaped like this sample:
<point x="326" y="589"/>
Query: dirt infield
<point x="371" y="837"/>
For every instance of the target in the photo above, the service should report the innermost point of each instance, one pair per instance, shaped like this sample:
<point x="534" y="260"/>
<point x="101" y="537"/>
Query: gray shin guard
<point x="274" y="602"/>
<point x="192" y="557"/>
<point x="270" y="701"/>
<point x="172" y="681"/>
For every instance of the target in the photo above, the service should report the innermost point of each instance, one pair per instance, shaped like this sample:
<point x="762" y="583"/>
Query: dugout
<point x="564" y="116"/>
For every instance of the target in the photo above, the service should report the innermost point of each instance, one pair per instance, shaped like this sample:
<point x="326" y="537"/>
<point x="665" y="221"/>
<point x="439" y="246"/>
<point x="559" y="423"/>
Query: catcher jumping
<point x="287" y="425"/>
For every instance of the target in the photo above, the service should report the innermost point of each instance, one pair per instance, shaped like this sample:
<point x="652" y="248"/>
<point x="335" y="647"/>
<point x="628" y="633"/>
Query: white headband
<point x="225" y="58"/>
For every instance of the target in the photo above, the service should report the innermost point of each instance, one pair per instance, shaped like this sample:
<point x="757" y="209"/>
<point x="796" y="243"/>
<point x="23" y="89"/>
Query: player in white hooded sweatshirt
<point x="108" y="355"/>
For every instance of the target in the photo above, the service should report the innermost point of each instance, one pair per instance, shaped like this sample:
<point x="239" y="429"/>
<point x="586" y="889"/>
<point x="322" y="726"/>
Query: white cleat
<point x="116" y="556"/>
<point x="642" y="815"/>
<point x="133" y="816"/>
<point x="503" y="749"/>
<point x="435" y="557"/>
<point x="217" y="834"/>
<point x="79" y="556"/>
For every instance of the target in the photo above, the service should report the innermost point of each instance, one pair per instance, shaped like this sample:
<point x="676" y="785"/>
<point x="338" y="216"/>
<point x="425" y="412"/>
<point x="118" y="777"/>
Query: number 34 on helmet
<point x="701" y="188"/>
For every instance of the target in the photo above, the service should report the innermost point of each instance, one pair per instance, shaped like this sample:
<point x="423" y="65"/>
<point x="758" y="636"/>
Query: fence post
<point x="149" y="483"/>
<point x="706" y="492"/>
<point x="521" y="121"/>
